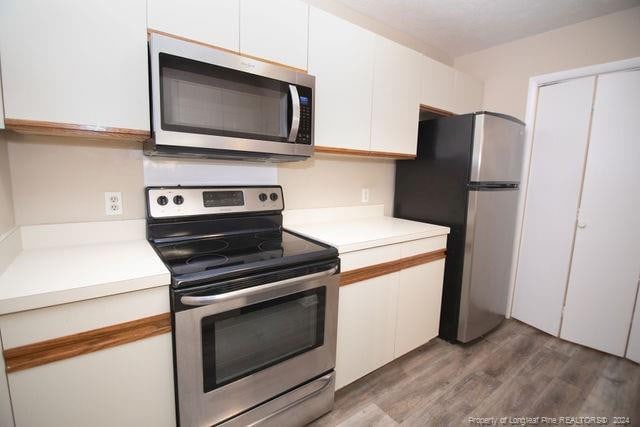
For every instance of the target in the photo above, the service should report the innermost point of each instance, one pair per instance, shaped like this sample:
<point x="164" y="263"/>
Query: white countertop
<point x="63" y="263"/>
<point x="357" y="228"/>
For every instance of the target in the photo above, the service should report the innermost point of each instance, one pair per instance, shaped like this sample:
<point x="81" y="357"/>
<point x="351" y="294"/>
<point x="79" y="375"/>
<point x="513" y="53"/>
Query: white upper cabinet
<point x="467" y="93"/>
<point x="437" y="84"/>
<point x="396" y="98"/>
<point x="275" y="30"/>
<point x="213" y="22"/>
<point x="81" y="62"/>
<point x="341" y="58"/>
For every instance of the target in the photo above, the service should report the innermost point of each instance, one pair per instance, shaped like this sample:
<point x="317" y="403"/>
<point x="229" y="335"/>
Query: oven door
<point x="205" y="98"/>
<point x="238" y="349"/>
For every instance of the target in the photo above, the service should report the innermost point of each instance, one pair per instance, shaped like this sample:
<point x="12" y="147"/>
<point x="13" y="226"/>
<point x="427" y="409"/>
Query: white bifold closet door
<point x="560" y="138"/>
<point x="605" y="267"/>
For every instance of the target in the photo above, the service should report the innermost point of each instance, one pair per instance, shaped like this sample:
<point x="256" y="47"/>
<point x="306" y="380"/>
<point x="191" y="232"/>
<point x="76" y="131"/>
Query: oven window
<point x="240" y="342"/>
<point x="196" y="97"/>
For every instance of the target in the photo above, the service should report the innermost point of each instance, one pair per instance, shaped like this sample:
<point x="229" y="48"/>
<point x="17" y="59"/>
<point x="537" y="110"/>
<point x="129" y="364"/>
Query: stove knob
<point x="273" y="197"/>
<point x="162" y="200"/>
<point x="262" y="197"/>
<point x="178" y="200"/>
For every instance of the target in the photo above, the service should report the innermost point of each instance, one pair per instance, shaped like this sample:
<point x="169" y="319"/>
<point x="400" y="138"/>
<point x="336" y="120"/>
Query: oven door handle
<point x="295" y="114"/>
<point x="212" y="299"/>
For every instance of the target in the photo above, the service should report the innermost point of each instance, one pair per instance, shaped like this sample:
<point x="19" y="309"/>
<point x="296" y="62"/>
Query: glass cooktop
<point x="221" y="255"/>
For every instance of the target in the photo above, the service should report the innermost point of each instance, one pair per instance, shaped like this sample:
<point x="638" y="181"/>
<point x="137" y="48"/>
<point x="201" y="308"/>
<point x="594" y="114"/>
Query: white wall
<point x="327" y="181"/>
<point x="506" y="69"/>
<point x="56" y="180"/>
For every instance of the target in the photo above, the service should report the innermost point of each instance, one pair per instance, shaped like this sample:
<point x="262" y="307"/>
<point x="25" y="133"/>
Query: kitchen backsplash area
<point x="63" y="179"/>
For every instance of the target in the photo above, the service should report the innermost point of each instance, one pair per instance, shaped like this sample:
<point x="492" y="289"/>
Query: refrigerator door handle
<point x="493" y="186"/>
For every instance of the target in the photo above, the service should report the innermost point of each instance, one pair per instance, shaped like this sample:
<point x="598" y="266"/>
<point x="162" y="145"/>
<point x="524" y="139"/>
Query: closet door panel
<point x="606" y="259"/>
<point x="557" y="165"/>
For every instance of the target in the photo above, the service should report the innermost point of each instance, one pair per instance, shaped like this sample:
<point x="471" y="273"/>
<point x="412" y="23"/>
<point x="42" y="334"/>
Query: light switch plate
<point x="365" y="195"/>
<point x="113" y="202"/>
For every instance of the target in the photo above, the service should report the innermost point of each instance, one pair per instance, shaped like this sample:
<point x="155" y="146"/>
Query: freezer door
<point x="487" y="260"/>
<point x="498" y="144"/>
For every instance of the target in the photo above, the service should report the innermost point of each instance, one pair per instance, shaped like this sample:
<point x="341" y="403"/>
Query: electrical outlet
<point x="365" y="195"/>
<point x="113" y="203"/>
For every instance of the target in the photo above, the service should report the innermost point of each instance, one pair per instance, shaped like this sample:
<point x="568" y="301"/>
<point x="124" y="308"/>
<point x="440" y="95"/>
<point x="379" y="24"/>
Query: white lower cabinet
<point x="382" y="318"/>
<point x="366" y="327"/>
<point x="419" y="302"/>
<point x="127" y="385"/>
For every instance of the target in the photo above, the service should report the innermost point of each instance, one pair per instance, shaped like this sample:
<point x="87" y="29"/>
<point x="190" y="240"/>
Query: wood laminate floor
<point x="515" y="371"/>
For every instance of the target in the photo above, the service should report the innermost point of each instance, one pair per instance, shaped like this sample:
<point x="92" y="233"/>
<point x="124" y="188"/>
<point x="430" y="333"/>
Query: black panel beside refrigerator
<point x="466" y="177"/>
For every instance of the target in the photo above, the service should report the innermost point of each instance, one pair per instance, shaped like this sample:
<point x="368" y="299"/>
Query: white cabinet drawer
<point x="381" y="254"/>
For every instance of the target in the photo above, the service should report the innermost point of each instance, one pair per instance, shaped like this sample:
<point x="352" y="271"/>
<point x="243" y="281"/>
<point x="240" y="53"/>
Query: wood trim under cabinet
<point x="41" y="353"/>
<point x="369" y="272"/>
<point x="224" y="49"/>
<point x="441" y="112"/>
<point x="362" y="153"/>
<point x="69" y="129"/>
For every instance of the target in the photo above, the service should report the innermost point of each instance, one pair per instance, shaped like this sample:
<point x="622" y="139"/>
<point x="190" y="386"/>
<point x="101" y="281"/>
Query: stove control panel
<point x="171" y="202"/>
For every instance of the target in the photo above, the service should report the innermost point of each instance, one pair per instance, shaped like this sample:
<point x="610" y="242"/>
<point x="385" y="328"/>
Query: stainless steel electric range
<point x="254" y="307"/>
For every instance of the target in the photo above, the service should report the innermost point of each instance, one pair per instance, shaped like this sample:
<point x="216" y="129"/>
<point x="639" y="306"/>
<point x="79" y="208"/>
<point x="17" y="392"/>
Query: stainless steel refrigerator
<point x="466" y="176"/>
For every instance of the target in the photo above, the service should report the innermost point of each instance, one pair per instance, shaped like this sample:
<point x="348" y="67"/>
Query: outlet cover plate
<point x="113" y="202"/>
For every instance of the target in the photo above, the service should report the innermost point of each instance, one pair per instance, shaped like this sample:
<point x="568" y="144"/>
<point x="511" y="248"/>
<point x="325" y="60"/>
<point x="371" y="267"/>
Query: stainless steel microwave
<point x="206" y="102"/>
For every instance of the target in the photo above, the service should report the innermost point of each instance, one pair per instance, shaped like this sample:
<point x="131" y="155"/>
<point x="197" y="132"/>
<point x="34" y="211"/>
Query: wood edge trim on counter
<point x="41" y="353"/>
<point x="70" y="129"/>
<point x="224" y="49"/>
<point x="435" y="110"/>
<point x="369" y="272"/>
<point x="362" y="153"/>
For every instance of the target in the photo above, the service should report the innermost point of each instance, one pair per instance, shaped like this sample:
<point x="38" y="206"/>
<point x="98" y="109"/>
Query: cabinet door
<point x="419" y="302"/>
<point x="75" y="62"/>
<point x="606" y="257"/>
<point x="341" y="58"/>
<point x="127" y="385"/>
<point x="275" y="30"/>
<point x="366" y="327"/>
<point x="213" y="22"/>
<point x="555" y="174"/>
<point x="396" y="98"/>
<point x="467" y="93"/>
<point x="437" y="84"/>
<point x="633" y="347"/>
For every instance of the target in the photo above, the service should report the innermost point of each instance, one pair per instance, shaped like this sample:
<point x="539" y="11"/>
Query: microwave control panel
<point x="306" y="116"/>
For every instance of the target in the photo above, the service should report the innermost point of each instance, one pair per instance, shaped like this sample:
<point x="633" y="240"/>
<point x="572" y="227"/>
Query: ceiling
<point x="458" y="27"/>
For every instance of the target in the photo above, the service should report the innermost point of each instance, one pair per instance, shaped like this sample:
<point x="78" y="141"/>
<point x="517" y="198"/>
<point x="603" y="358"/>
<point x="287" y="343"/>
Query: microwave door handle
<point x="295" y="114"/>
<point x="212" y="299"/>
